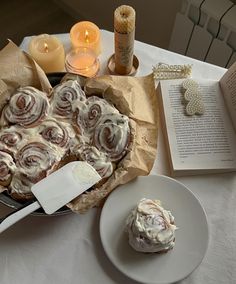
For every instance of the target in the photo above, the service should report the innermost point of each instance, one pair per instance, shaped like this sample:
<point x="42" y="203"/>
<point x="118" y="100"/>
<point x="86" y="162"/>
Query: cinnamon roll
<point x="96" y="159"/>
<point x="150" y="227"/>
<point x="37" y="160"/>
<point x="27" y="107"/>
<point x="20" y="187"/>
<point x="58" y="133"/>
<point x="7" y="168"/>
<point x="112" y="136"/>
<point x="11" y="138"/>
<point x="63" y="97"/>
<point x="34" y="161"/>
<point x="88" y="115"/>
<point x="39" y="135"/>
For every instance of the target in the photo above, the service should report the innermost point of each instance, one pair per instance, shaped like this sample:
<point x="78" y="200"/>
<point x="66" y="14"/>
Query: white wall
<point x="154" y="18"/>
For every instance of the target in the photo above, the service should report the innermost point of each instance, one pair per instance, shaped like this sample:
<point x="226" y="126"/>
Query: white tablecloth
<point x="67" y="249"/>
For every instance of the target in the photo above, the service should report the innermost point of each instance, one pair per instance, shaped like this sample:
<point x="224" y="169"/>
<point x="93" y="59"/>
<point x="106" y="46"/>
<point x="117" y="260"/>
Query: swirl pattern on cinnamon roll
<point x="96" y="159"/>
<point x="36" y="160"/>
<point x="112" y="136"/>
<point x="58" y="133"/>
<point x="9" y="140"/>
<point x="27" y="107"/>
<point x="89" y="114"/>
<point x="150" y="227"/>
<point x="12" y="138"/>
<point x="38" y="135"/>
<point x="63" y="97"/>
<point x="7" y="168"/>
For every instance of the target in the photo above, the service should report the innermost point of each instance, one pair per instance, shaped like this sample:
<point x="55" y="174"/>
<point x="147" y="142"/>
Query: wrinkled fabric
<point x="67" y="249"/>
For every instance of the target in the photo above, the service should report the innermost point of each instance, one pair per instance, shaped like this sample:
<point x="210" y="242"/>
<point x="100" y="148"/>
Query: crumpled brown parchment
<point x="18" y="69"/>
<point x="133" y="96"/>
<point x="136" y="98"/>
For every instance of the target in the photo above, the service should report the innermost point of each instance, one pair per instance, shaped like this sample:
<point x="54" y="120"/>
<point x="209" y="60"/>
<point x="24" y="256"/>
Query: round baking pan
<point x="54" y="78"/>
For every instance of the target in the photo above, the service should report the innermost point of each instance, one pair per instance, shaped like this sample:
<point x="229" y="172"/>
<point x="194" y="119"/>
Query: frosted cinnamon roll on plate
<point x="133" y="212"/>
<point x="150" y="227"/>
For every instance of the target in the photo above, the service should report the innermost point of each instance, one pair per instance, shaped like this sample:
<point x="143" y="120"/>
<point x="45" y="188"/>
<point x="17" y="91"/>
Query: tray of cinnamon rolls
<point x="41" y="132"/>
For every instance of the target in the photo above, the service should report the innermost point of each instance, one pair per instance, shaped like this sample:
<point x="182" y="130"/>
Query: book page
<point x="198" y="142"/>
<point x="228" y="86"/>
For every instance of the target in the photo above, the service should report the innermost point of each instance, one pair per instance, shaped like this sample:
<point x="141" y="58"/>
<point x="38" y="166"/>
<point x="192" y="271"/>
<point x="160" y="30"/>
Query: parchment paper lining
<point x="133" y="96"/>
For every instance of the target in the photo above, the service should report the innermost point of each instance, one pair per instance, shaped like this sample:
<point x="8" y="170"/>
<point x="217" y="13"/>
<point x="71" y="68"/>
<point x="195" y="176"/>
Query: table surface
<point x="67" y="249"/>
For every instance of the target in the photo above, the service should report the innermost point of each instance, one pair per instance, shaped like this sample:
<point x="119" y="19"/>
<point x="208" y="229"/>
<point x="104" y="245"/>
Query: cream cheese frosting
<point x="64" y="96"/>
<point x="7" y="166"/>
<point x="150" y="227"/>
<point x="27" y="107"/>
<point x="40" y="133"/>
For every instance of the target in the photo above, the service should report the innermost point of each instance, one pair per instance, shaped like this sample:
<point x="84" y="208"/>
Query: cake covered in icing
<point x="150" y="227"/>
<point x="40" y="133"/>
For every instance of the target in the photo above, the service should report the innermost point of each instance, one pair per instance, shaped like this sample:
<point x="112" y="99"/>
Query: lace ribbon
<point x="164" y="71"/>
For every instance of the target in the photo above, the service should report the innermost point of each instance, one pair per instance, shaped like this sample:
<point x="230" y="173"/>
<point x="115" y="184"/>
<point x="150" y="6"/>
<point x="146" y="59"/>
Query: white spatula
<point x="56" y="190"/>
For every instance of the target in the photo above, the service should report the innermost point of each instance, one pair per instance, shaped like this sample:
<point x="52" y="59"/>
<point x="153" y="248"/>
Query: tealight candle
<point x="86" y="34"/>
<point x="48" y="52"/>
<point x="82" y="61"/>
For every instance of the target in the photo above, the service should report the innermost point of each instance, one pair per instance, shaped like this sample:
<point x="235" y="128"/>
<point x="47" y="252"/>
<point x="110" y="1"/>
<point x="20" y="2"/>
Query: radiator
<point x="206" y="30"/>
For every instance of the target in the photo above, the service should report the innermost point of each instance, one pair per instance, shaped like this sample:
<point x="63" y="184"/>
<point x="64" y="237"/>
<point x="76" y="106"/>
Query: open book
<point x="200" y="143"/>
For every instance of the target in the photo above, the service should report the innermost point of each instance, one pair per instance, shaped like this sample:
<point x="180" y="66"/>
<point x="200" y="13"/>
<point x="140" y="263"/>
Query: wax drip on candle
<point x="86" y="36"/>
<point x="45" y="47"/>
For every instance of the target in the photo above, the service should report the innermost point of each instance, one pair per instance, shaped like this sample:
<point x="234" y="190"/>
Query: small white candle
<point x="83" y="61"/>
<point x="48" y="52"/>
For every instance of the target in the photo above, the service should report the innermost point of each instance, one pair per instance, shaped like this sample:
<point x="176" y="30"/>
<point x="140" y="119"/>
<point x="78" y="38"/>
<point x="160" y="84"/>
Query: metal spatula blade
<point x="56" y="190"/>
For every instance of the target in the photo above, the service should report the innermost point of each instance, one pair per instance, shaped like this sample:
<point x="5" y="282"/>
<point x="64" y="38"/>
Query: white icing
<point x="58" y="133"/>
<point x="63" y="97"/>
<point x="112" y="135"/>
<point x="7" y="166"/>
<point x="21" y="186"/>
<point x="42" y="135"/>
<point x="90" y="112"/>
<point x="12" y="138"/>
<point x="96" y="159"/>
<point x="27" y="107"/>
<point x="150" y="227"/>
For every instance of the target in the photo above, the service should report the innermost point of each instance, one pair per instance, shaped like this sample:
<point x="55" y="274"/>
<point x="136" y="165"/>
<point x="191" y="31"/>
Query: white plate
<point x="191" y="236"/>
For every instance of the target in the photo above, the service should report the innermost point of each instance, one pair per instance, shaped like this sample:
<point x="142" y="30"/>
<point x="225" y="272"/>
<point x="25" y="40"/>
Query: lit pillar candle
<point x="48" y="52"/>
<point x="86" y="34"/>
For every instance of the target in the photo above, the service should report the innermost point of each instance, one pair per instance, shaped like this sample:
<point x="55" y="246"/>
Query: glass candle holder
<point x="82" y="61"/>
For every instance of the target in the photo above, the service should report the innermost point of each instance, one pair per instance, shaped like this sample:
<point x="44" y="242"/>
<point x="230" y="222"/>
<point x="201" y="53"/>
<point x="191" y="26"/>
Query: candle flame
<point x="86" y="36"/>
<point x="45" y="47"/>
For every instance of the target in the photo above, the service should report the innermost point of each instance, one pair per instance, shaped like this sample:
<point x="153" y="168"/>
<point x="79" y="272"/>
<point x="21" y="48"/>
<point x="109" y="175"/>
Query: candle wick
<point x="86" y="36"/>
<point x="124" y="15"/>
<point x="45" y="47"/>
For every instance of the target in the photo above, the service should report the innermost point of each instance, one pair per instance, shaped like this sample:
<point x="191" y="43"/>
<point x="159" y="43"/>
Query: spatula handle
<point x="15" y="216"/>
